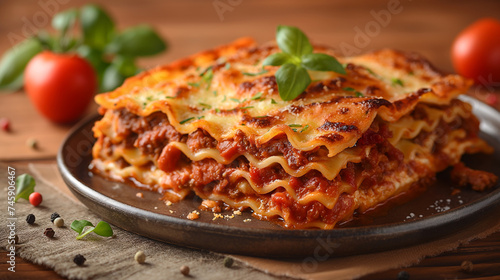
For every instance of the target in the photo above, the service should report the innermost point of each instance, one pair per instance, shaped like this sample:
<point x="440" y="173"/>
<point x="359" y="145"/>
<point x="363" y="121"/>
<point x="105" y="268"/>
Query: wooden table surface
<point x="426" y="27"/>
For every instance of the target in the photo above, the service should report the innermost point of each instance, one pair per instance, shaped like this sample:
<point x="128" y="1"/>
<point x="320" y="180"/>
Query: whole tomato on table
<point x="476" y="52"/>
<point x="86" y="54"/>
<point x="60" y="85"/>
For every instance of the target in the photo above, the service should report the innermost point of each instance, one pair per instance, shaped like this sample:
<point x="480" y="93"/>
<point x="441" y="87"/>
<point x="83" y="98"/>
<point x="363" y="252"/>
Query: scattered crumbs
<point x="467" y="266"/>
<point x="217" y="216"/>
<point x="193" y="215"/>
<point x="156" y="207"/>
<point x="168" y="203"/>
<point x="237" y="212"/>
<point x="411" y="216"/>
<point x="247" y="220"/>
<point x="171" y="211"/>
<point x="140" y="195"/>
<point x="420" y="216"/>
<point x="229" y="217"/>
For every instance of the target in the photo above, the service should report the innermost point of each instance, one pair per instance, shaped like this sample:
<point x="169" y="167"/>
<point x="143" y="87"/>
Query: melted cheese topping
<point x="227" y="89"/>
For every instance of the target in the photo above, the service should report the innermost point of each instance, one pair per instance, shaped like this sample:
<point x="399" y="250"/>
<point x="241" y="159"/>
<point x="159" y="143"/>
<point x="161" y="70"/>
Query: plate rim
<point x="367" y="232"/>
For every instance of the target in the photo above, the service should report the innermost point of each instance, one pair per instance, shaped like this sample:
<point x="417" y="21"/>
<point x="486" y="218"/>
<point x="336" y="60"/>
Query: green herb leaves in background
<point x="15" y="60"/>
<point x="25" y="185"/>
<point x="137" y="41"/>
<point x="91" y="33"/>
<point x="295" y="59"/>
<point x="102" y="228"/>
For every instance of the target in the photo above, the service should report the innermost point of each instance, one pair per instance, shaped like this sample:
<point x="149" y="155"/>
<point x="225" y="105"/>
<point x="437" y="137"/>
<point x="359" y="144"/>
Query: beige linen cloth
<point x="113" y="258"/>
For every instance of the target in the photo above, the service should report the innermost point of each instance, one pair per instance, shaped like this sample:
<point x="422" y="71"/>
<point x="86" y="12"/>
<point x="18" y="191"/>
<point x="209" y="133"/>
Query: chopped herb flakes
<point x="263" y="71"/>
<point x="235" y="100"/>
<point x="305" y="128"/>
<point x="357" y="93"/>
<point x="295" y="125"/>
<point x="194" y="84"/>
<point x="186" y="120"/>
<point x="246" y="107"/>
<point x="227" y="66"/>
<point x="257" y="96"/>
<point x="217" y="110"/>
<point x="207" y="106"/>
<point x="273" y="101"/>
<point x="396" y="81"/>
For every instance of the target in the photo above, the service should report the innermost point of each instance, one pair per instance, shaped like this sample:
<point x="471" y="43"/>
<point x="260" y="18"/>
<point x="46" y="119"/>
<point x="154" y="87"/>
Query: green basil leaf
<point x="97" y="26"/>
<point x="15" y="60"/>
<point x="277" y="59"/>
<point x="65" y="20"/>
<point x="292" y="80"/>
<point x="14" y="85"/>
<point x="112" y="78"/>
<point x="95" y="57"/>
<point x="322" y="62"/>
<point x="103" y="229"/>
<point x="140" y="40"/>
<point x="293" y="41"/>
<point x="25" y="185"/>
<point x="125" y="65"/>
<point x="79" y="225"/>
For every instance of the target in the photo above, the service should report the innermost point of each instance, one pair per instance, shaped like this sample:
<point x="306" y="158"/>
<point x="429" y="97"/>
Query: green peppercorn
<point x="59" y="222"/>
<point x="228" y="261"/>
<point x="140" y="257"/>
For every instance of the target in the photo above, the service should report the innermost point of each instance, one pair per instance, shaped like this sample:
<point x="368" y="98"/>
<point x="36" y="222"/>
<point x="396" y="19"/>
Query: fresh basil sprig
<point x="102" y="228"/>
<point x="25" y="185"/>
<point x="112" y="53"/>
<point x="295" y="58"/>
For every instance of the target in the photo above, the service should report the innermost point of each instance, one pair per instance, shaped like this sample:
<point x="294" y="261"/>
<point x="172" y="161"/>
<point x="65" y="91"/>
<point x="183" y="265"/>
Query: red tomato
<point x="476" y="52"/>
<point x="35" y="199"/>
<point x="61" y="86"/>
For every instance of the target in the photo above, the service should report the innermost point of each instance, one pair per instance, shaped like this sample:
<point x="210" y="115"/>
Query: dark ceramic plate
<point x="430" y="215"/>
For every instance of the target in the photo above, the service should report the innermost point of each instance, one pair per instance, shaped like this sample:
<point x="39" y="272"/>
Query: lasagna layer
<point x="213" y="124"/>
<point x="369" y="173"/>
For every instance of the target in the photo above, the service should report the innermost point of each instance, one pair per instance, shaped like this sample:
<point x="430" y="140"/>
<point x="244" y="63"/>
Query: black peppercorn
<point x="49" y="232"/>
<point x="54" y="216"/>
<point x="30" y="219"/>
<point x="79" y="260"/>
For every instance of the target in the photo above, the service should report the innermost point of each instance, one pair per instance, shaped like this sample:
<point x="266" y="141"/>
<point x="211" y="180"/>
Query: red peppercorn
<point x="35" y="198"/>
<point x="5" y="124"/>
<point x="49" y="232"/>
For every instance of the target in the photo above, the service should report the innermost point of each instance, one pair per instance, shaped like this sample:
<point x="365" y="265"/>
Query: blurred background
<point x="424" y="26"/>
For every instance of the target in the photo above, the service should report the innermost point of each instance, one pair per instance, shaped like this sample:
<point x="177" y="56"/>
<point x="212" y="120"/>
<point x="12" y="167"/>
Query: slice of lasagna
<point x="214" y="124"/>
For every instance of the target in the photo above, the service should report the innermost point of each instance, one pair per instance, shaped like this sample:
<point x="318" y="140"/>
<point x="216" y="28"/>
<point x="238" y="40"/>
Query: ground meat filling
<point x="207" y="177"/>
<point x="478" y="180"/>
<point x="150" y="134"/>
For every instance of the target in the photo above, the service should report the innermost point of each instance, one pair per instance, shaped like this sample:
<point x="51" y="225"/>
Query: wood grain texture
<point x="427" y="27"/>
